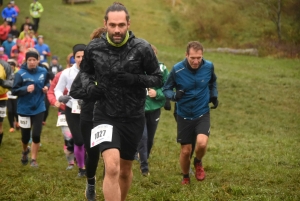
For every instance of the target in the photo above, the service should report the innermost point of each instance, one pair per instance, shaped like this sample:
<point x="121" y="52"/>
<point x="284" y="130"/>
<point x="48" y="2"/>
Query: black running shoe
<point x="81" y="173"/>
<point x="90" y="192"/>
<point x="24" y="159"/>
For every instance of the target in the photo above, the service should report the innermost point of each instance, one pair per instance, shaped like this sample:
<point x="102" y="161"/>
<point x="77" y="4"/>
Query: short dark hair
<point x="117" y="6"/>
<point x="195" y="45"/>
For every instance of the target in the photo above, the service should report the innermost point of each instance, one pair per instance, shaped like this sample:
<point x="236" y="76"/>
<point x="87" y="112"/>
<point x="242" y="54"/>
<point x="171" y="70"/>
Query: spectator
<point x="4" y="31"/>
<point x="8" y="44"/>
<point x="43" y="49"/>
<point x="14" y="32"/>
<point x="26" y="30"/>
<point x="9" y="14"/>
<point x="27" y="22"/>
<point x="3" y="56"/>
<point x="36" y="9"/>
<point x="55" y="67"/>
<point x="13" y="5"/>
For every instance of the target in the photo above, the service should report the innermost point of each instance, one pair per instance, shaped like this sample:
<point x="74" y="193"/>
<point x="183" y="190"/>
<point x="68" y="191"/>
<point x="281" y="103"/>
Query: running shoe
<point x="33" y="163"/>
<point x="70" y="167"/>
<point x="81" y="173"/>
<point x="146" y="173"/>
<point x="200" y="174"/>
<point x="185" y="181"/>
<point x="24" y="159"/>
<point x="90" y="192"/>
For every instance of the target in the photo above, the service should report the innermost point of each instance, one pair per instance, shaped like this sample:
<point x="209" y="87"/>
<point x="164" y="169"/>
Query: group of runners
<point x="110" y="102"/>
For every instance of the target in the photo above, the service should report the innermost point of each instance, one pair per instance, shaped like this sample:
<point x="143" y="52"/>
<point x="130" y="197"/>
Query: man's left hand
<point x="215" y="102"/>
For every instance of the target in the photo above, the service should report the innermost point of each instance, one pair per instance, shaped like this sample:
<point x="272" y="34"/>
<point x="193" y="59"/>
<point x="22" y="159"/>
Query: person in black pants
<point x="86" y="123"/>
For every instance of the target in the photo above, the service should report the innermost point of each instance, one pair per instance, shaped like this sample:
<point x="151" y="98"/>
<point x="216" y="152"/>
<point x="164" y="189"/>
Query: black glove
<point x="64" y="99"/>
<point x="1" y="81"/>
<point x="167" y="105"/>
<point x="126" y="78"/>
<point x="178" y="95"/>
<point x="96" y="91"/>
<point x="214" y="101"/>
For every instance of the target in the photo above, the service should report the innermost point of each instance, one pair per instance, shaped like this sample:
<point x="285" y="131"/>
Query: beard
<point x="117" y="40"/>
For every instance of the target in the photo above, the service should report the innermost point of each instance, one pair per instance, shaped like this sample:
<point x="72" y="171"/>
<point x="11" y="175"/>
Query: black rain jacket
<point x="103" y="60"/>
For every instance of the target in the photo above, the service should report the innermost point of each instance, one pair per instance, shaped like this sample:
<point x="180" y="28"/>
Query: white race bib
<point x="11" y="96"/>
<point x="101" y="133"/>
<point x="61" y="120"/>
<point x="9" y="19"/>
<point x="2" y="112"/>
<point x="35" y="12"/>
<point x="24" y="122"/>
<point x="75" y="107"/>
<point x="54" y="69"/>
<point x="42" y="57"/>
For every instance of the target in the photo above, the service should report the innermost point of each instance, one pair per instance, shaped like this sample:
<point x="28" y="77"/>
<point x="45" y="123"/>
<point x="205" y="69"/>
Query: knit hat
<point x="77" y="48"/>
<point x="54" y="57"/>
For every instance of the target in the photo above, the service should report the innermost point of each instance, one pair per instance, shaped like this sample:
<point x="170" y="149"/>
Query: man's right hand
<point x="178" y="95"/>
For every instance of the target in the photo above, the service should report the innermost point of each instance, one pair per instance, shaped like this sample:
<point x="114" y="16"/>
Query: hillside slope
<point x="64" y="25"/>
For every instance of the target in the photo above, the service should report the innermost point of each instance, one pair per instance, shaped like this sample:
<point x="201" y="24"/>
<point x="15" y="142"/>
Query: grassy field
<point x="253" y="152"/>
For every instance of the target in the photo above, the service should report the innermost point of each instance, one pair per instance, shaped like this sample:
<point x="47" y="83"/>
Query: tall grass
<point x="253" y="151"/>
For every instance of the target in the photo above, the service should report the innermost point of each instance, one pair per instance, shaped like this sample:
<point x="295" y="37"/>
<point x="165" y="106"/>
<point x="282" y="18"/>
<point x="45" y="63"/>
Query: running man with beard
<point x="123" y="66"/>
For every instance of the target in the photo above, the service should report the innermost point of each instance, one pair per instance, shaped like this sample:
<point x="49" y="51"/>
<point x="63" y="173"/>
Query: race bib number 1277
<point x="101" y="133"/>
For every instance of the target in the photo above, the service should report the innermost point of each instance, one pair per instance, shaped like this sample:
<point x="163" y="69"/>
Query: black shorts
<point x="187" y="130"/>
<point x="125" y="137"/>
<point x="3" y="104"/>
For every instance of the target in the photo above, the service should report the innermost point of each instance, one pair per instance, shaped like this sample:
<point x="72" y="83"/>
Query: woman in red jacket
<point x="68" y="138"/>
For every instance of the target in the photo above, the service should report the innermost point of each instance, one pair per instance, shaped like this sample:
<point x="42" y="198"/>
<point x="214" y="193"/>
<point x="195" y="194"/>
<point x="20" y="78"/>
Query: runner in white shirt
<point x="72" y="110"/>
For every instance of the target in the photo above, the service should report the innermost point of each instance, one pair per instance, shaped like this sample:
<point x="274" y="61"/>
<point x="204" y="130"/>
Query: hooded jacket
<point x="30" y="103"/>
<point x="123" y="103"/>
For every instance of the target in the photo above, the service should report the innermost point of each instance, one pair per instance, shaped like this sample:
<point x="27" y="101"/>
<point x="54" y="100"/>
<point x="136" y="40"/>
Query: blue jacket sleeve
<point x="169" y="86"/>
<point x="18" y="89"/>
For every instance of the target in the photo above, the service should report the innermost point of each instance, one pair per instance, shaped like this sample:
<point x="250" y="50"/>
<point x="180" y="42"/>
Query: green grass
<point x="253" y="151"/>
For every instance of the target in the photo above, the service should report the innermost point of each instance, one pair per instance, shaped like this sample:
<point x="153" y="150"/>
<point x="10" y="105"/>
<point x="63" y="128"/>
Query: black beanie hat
<point x="78" y="47"/>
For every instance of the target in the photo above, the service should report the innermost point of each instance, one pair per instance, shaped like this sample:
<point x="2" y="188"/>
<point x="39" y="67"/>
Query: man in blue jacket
<point x="9" y="14"/>
<point x="195" y="83"/>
